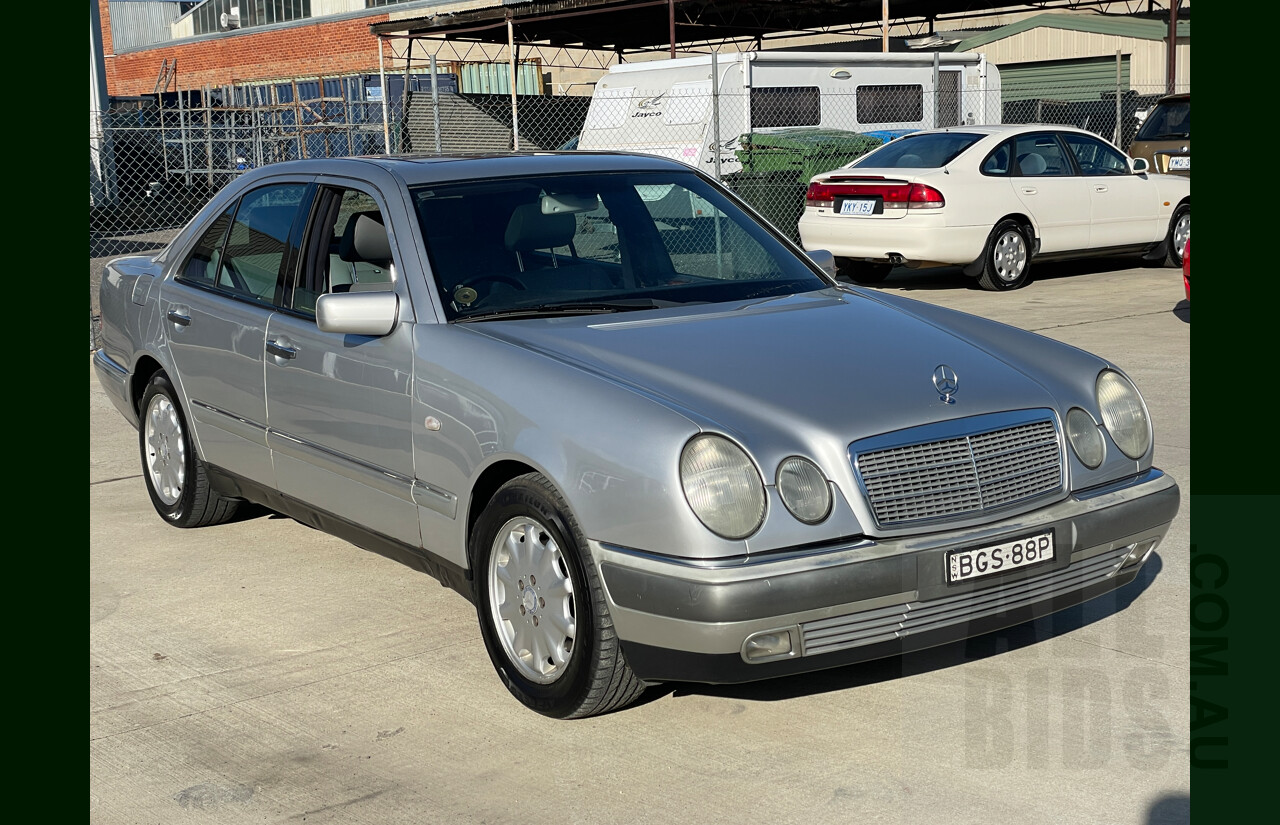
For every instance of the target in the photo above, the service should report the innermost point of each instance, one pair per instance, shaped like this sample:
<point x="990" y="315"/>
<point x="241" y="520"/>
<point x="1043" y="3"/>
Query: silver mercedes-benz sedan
<point x="645" y="452"/>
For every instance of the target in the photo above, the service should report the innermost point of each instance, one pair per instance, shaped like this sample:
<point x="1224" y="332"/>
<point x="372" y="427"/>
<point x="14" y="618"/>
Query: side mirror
<point x="1140" y="166"/>
<point x="825" y="260"/>
<point x="357" y="313"/>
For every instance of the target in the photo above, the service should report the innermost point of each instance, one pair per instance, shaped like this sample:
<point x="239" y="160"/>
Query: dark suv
<point x="1164" y="138"/>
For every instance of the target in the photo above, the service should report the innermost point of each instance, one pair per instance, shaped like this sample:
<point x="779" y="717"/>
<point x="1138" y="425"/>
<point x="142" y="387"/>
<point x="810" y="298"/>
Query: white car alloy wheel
<point x="166" y="449"/>
<point x="532" y="600"/>
<point x="1005" y="261"/>
<point x="1010" y="256"/>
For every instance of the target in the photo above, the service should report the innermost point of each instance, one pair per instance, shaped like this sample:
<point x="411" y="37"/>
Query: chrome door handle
<point x="178" y="318"/>
<point x="281" y="351"/>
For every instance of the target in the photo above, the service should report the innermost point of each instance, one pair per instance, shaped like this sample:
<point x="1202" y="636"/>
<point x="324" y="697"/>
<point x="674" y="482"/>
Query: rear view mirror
<point x="569" y="203"/>
<point x="357" y="313"/>
<point x="1140" y="166"/>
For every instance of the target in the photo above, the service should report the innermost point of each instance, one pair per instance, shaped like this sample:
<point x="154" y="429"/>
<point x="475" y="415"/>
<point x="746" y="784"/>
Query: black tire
<point x="862" y="272"/>
<point x="176" y="478"/>
<point x="553" y="643"/>
<point x="1006" y="260"/>
<point x="1179" y="231"/>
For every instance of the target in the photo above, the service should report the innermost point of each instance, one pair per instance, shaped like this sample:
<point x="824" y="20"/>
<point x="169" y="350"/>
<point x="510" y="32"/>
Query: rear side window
<point x="785" y="106"/>
<point x="998" y="162"/>
<point x="244" y="255"/>
<point x="1040" y="155"/>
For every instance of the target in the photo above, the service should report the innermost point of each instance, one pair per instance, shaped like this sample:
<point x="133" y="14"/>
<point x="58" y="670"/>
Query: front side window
<point x="584" y="243"/>
<point x="1095" y="157"/>
<point x="348" y="249"/>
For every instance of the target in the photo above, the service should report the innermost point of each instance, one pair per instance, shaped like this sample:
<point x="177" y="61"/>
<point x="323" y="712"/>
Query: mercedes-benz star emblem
<point x="946" y="382"/>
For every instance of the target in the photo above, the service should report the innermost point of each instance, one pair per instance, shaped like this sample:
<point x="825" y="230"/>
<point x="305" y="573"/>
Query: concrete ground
<point x="261" y="671"/>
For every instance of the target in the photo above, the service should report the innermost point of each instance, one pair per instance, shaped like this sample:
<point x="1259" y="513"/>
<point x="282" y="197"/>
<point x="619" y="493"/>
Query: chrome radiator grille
<point x="961" y="476"/>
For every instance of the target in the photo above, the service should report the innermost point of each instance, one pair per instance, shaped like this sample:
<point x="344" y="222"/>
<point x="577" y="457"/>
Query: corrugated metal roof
<point x="1135" y="27"/>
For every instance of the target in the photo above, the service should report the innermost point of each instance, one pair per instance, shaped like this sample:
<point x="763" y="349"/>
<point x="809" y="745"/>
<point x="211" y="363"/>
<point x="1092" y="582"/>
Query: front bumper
<point x="685" y="621"/>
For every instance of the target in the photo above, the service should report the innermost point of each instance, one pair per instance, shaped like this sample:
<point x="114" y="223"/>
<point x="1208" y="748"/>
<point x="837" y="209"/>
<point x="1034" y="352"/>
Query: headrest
<point x="365" y="239"/>
<point x="530" y="229"/>
<point x="1032" y="164"/>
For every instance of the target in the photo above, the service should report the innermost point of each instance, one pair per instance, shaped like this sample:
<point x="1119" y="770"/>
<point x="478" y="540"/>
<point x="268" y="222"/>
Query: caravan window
<point x="773" y="106"/>
<point x="891" y="104"/>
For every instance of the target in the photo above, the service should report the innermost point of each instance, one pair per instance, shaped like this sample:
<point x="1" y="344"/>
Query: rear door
<point x="216" y="309"/>
<point x="1056" y="197"/>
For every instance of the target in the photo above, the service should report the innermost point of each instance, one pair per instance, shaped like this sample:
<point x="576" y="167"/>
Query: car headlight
<point x="804" y="490"/>
<point x="722" y="486"/>
<point x="1124" y="414"/>
<point x="1085" y="438"/>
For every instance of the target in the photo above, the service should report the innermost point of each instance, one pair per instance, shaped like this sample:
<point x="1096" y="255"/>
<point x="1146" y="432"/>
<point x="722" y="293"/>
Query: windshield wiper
<point x="572" y="308"/>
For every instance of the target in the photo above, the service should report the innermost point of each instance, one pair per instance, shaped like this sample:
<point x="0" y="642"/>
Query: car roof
<point x="1000" y="129"/>
<point x="414" y="169"/>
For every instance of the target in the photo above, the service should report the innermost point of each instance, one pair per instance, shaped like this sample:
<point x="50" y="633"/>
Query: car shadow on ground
<point x="926" y="661"/>
<point x="1182" y="311"/>
<point x="953" y="277"/>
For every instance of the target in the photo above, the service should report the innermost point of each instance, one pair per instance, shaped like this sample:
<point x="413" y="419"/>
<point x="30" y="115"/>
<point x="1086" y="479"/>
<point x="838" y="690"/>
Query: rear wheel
<point x="541" y="607"/>
<point x="1179" y="232"/>
<point x="177" y="480"/>
<point x="862" y="272"/>
<point x="1007" y="258"/>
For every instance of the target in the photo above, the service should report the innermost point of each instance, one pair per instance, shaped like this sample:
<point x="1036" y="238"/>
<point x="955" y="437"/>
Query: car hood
<point x="830" y="362"/>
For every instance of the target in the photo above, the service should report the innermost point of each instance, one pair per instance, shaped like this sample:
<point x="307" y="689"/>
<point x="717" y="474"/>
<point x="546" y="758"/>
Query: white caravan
<point x="666" y="107"/>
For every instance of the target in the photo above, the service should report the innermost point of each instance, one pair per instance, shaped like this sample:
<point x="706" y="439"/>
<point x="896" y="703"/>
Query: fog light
<point x="769" y="644"/>
<point x="1139" y="553"/>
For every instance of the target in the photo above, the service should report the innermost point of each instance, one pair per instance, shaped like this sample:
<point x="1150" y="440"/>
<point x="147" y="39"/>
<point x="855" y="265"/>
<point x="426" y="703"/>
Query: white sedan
<point x="991" y="199"/>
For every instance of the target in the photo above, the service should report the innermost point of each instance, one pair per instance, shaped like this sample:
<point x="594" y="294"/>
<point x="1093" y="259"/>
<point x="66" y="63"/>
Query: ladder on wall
<point x="168" y="74"/>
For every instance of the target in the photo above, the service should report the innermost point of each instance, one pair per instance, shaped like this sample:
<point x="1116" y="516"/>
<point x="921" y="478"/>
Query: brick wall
<point x="340" y="47"/>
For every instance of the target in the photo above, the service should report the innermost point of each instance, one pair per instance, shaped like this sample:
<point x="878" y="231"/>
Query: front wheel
<point x="1006" y="259"/>
<point x="541" y="607"/>
<point x="1179" y="232"/>
<point x="177" y="479"/>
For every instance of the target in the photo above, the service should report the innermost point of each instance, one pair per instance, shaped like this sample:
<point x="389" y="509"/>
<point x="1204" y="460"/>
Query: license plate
<point x="963" y="565"/>
<point x="860" y="206"/>
<point x="1180" y="163"/>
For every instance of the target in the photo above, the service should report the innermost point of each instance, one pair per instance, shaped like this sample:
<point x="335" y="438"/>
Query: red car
<point x="1186" y="268"/>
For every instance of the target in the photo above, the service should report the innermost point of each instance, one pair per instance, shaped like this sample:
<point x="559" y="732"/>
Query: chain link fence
<point x="155" y="162"/>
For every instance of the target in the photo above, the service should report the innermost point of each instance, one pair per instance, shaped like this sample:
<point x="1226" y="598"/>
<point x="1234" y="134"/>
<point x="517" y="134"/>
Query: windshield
<point x="574" y="244"/>
<point x="919" y="151"/>
<point x="1167" y="121"/>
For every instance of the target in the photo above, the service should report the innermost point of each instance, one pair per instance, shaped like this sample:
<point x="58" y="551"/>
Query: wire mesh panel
<point x="154" y="163"/>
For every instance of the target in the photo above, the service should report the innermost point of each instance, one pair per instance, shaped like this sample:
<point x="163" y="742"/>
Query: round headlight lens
<point x="722" y="486"/>
<point x="804" y="490"/>
<point x="1124" y="414"/>
<point x="1085" y="438"/>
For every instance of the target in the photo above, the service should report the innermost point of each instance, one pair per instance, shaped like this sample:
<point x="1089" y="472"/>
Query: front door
<point x="339" y="406"/>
